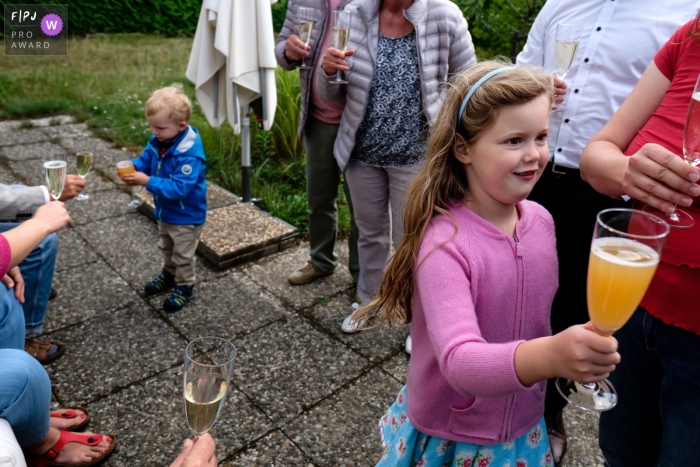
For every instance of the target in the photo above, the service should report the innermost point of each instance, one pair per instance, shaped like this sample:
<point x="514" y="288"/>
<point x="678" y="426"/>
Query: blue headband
<point x="483" y="79"/>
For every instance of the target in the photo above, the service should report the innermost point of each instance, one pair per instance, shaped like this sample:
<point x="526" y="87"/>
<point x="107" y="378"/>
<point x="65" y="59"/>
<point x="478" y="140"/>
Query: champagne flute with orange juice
<point x="625" y="251"/>
<point x="126" y="167"/>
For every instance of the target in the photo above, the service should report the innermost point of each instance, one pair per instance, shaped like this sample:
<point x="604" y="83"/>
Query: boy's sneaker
<point x="163" y="281"/>
<point x="179" y="298"/>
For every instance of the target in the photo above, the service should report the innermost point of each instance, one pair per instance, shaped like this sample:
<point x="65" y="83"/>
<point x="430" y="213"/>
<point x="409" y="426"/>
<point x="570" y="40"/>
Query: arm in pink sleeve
<point x="471" y="365"/>
<point x="5" y="255"/>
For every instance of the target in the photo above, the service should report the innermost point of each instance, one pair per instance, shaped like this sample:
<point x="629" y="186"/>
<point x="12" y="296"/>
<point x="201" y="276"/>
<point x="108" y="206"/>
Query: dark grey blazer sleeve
<point x="20" y="200"/>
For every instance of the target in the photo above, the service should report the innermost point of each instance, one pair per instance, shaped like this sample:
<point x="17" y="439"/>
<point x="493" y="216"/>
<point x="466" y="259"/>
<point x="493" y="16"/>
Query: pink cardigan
<point x="476" y="298"/>
<point x="5" y="256"/>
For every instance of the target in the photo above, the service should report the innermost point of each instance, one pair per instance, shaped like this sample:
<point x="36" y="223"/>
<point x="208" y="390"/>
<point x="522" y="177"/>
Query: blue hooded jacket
<point x="177" y="179"/>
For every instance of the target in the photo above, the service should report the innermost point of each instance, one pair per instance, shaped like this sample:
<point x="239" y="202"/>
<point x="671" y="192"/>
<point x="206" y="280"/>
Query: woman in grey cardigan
<point x="400" y="55"/>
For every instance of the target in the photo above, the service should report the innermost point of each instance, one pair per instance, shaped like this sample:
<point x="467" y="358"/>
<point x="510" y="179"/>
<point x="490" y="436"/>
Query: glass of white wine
<point x="341" y="35"/>
<point x="207" y="375"/>
<point x="84" y="154"/>
<point x="566" y="43"/>
<point x="55" y="166"/>
<point x="306" y="25"/>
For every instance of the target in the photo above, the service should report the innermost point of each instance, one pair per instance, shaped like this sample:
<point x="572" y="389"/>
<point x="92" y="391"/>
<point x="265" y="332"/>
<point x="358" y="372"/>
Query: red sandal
<point x="49" y="457"/>
<point x="69" y="414"/>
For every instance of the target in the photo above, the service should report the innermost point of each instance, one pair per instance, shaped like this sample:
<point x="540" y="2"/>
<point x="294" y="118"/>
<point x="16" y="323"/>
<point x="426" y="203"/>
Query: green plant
<point x="499" y="27"/>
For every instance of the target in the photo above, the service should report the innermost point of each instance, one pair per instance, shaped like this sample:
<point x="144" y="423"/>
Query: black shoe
<point x="52" y="294"/>
<point x="162" y="282"/>
<point x="179" y="298"/>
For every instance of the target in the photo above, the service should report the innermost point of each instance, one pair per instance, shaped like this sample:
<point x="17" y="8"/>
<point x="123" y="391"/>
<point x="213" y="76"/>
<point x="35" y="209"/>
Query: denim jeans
<point x="37" y="271"/>
<point x="11" y="320"/>
<point x="25" y="396"/>
<point x="656" y="421"/>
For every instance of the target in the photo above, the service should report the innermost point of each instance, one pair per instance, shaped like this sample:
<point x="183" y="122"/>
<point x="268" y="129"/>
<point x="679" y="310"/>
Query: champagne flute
<point x="625" y="252"/>
<point x="341" y="35"/>
<point x="680" y="219"/>
<point x="84" y="154"/>
<point x="55" y="166"/>
<point x="125" y="166"/>
<point x="207" y="374"/>
<point x="306" y="25"/>
<point x="566" y="42"/>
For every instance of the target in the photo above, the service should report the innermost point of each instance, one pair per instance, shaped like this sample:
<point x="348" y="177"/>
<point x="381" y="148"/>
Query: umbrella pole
<point x="245" y="155"/>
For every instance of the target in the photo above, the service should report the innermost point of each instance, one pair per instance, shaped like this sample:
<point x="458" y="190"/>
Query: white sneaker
<point x="407" y="347"/>
<point x="351" y="326"/>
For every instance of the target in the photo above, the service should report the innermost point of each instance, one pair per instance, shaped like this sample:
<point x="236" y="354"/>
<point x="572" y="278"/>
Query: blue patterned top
<point x="393" y="131"/>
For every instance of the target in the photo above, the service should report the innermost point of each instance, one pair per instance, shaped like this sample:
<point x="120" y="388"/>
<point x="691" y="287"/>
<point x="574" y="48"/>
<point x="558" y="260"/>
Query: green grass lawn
<point x="105" y="82"/>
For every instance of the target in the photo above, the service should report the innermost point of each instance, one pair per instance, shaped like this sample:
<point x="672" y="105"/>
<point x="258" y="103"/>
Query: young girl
<point x="476" y="273"/>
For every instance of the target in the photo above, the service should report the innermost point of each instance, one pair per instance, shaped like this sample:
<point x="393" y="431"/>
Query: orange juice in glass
<point x="619" y="273"/>
<point x="125" y="167"/>
<point x="625" y="251"/>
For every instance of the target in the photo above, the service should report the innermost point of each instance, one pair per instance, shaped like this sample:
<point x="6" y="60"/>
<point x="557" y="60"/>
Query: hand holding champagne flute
<point x="84" y="154"/>
<point x="55" y="169"/>
<point x="306" y="25"/>
<point x="625" y="252"/>
<point x="341" y="36"/>
<point x="207" y="375"/>
<point x="565" y="47"/>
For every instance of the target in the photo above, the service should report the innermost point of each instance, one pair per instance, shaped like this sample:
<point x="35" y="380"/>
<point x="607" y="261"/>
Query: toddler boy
<point x="172" y="167"/>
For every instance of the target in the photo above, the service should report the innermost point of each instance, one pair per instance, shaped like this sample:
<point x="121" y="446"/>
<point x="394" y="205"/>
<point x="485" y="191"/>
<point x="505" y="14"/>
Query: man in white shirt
<point x="618" y="40"/>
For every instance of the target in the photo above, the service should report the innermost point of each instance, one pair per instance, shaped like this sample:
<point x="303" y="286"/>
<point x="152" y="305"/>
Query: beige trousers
<point x="178" y="244"/>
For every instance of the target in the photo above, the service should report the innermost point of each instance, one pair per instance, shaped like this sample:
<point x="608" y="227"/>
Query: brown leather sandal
<point x="40" y="350"/>
<point x="558" y="441"/>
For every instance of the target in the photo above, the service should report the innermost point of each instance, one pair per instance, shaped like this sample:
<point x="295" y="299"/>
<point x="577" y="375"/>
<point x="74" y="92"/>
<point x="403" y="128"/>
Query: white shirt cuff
<point x="47" y="195"/>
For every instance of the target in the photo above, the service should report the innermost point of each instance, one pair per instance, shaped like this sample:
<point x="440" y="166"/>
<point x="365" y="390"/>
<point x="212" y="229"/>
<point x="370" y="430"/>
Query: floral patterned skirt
<point x="405" y="446"/>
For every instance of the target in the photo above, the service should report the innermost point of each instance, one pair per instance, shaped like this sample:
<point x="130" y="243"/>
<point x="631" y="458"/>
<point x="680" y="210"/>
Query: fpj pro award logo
<point x="36" y="29"/>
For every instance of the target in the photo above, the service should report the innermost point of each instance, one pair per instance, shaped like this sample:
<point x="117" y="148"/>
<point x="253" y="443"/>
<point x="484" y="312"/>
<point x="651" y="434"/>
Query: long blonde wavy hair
<point x="443" y="178"/>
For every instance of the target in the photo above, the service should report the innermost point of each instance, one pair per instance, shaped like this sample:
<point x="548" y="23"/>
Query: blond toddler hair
<point x="173" y="99"/>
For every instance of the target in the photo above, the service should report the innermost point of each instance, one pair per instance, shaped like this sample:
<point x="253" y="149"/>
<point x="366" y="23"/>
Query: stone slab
<point x="275" y="449"/>
<point x="149" y="422"/>
<point x="128" y="243"/>
<point x="6" y="176"/>
<point x="241" y="229"/>
<point x="21" y="136"/>
<point x="289" y="366"/>
<point x="101" y="205"/>
<point x="582" y="429"/>
<point x="33" y="151"/>
<point x="377" y="342"/>
<point x="272" y="274"/>
<point x="351" y="414"/>
<point x="112" y="351"/>
<point x="397" y="366"/>
<point x="73" y="250"/>
<point x="226" y="307"/>
<point x="10" y="125"/>
<point x="87" y="291"/>
<point x="217" y="197"/>
<point x="67" y="131"/>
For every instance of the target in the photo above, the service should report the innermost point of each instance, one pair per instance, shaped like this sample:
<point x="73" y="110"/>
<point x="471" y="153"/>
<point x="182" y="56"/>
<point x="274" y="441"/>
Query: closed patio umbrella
<point x="232" y="64"/>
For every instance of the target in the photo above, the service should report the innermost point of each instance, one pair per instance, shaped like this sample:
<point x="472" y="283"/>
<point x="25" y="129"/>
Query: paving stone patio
<point x="303" y="393"/>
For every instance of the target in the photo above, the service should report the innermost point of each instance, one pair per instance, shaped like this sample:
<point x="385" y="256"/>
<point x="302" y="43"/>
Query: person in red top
<point x="639" y="154"/>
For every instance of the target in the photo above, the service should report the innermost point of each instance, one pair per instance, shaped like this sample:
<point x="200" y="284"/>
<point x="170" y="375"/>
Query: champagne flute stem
<point x="673" y="216"/>
<point x="133" y="197"/>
